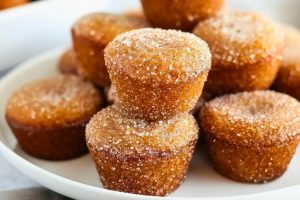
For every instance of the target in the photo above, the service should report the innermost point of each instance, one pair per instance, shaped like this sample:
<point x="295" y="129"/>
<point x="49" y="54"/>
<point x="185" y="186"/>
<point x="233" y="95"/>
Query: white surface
<point x="78" y="178"/>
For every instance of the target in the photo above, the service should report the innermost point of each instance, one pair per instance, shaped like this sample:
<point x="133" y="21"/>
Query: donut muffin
<point x="183" y="14"/>
<point x="246" y="51"/>
<point x="48" y="116"/>
<point x="91" y="34"/>
<point x="68" y="63"/>
<point x="157" y="73"/>
<point x="288" y="77"/>
<point x="251" y="136"/>
<point x="136" y="156"/>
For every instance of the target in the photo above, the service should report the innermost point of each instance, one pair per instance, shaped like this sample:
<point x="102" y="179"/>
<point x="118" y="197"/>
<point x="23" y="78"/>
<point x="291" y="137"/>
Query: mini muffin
<point x="183" y="14"/>
<point x="246" y="51"/>
<point x="136" y="156"/>
<point x="48" y="116"/>
<point x="288" y="77"/>
<point x="91" y="34"/>
<point x="111" y="95"/>
<point x="157" y="73"/>
<point x="251" y="136"/>
<point x="11" y="3"/>
<point x="68" y="63"/>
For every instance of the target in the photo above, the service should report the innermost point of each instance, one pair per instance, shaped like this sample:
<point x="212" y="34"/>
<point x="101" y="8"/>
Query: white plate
<point x="78" y="178"/>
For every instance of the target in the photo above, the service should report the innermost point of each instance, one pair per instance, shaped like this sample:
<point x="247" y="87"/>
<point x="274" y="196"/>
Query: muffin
<point x="183" y="14"/>
<point x="157" y="73"/>
<point x="91" y="34"/>
<point x="246" y="51"/>
<point x="48" y="116"/>
<point x="136" y="156"/>
<point x="68" y="63"/>
<point x="288" y="77"/>
<point x="251" y="136"/>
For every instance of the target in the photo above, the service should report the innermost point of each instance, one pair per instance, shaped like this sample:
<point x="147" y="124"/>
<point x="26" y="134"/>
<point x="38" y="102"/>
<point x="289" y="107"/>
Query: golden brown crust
<point x="237" y="39"/>
<point x="183" y="14"/>
<point x="288" y="77"/>
<point x="151" y="175"/>
<point x="11" y="3"/>
<point x="249" y="164"/>
<point x="54" y="102"/>
<point x="91" y="34"/>
<point x="68" y="62"/>
<point x="57" y="143"/>
<point x="136" y="156"/>
<point x="246" y="50"/>
<point x="157" y="73"/>
<point x="252" y="119"/>
<point x="248" y="78"/>
<point x="48" y="116"/>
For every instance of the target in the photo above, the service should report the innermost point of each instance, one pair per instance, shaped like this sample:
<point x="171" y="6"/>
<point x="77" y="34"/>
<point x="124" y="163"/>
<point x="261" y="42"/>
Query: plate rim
<point x="11" y="156"/>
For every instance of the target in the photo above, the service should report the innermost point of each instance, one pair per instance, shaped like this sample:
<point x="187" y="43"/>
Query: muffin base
<point x="246" y="164"/>
<point x="148" y="173"/>
<point x="90" y="58"/>
<point x="59" y="143"/>
<point x="157" y="101"/>
<point x="245" y="78"/>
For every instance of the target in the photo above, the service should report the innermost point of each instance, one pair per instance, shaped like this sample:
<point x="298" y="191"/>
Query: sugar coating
<point x="288" y="77"/>
<point x="238" y="38"/>
<point x="103" y="27"/>
<point x="136" y="156"/>
<point x="156" y="55"/>
<point x="254" y="165"/>
<point x="52" y="102"/>
<point x="114" y="131"/>
<point x="253" y="119"/>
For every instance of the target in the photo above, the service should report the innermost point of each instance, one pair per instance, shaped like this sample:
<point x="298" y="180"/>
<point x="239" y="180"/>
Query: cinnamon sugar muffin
<point x="136" y="156"/>
<point x="183" y="14"/>
<point x="91" y="34"/>
<point x="68" y="62"/>
<point x="246" y="51"/>
<point x="48" y="116"/>
<point x="288" y="77"/>
<point x="251" y="136"/>
<point x="157" y="73"/>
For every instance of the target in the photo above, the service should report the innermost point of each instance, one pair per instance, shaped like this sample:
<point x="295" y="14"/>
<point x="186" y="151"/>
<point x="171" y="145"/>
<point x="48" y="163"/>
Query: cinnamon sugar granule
<point x="158" y="55"/>
<point x="254" y="119"/>
<point x="54" y="101"/>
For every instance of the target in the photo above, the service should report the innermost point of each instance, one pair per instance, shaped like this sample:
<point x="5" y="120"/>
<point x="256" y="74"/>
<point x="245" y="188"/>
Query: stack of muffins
<point x="153" y="80"/>
<point x="144" y="143"/>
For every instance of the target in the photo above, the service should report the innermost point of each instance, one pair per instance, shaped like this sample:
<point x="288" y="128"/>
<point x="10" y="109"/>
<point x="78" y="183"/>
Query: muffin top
<point x="54" y="102"/>
<point x="157" y="55"/>
<point x="254" y="119"/>
<point x="103" y="27"/>
<point x="115" y="132"/>
<point x="239" y="38"/>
